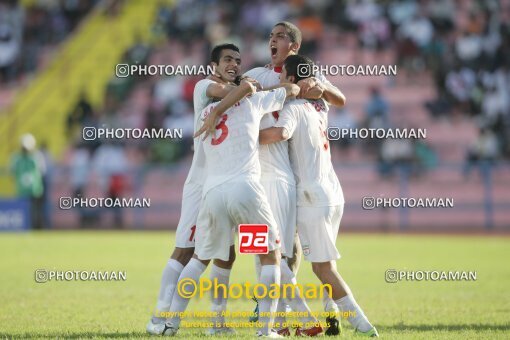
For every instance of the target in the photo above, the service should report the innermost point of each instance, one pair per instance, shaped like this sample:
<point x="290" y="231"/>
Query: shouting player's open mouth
<point x="274" y="51"/>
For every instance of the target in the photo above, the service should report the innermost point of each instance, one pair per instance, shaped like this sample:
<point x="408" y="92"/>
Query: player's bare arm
<point x="333" y="95"/>
<point x="273" y="135"/>
<point x="253" y="81"/>
<point x="314" y="92"/>
<point x="292" y="90"/>
<point x="311" y="87"/>
<point x="219" y="90"/>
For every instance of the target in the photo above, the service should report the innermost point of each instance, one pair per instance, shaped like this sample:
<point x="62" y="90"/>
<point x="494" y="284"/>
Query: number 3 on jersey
<point x="224" y="131"/>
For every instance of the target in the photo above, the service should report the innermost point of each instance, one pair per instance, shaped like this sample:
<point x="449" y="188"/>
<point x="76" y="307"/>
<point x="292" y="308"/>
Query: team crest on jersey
<point x="306" y="250"/>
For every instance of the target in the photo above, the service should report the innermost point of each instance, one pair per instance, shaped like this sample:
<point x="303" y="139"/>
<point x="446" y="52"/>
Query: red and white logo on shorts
<point x="253" y="239"/>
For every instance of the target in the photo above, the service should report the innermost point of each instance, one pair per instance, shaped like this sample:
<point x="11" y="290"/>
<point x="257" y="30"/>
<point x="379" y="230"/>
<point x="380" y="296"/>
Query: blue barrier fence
<point x="485" y="205"/>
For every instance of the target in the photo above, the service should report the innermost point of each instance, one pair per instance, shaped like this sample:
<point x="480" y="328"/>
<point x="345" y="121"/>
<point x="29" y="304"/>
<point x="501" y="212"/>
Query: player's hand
<point x="209" y="125"/>
<point x="305" y="85"/>
<point x="315" y="92"/>
<point x="253" y="82"/>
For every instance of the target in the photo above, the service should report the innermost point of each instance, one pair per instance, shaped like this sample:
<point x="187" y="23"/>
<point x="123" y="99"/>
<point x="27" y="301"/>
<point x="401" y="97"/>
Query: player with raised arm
<point x="320" y="198"/>
<point x="226" y="60"/>
<point x="277" y="177"/>
<point x="232" y="194"/>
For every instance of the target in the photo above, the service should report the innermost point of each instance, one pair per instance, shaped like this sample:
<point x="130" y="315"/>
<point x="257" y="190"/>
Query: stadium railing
<point x="481" y="201"/>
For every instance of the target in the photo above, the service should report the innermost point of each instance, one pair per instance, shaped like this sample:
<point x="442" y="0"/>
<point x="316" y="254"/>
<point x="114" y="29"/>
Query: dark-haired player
<point x="277" y="176"/>
<point x="232" y="194"/>
<point x="320" y="199"/>
<point x="226" y="59"/>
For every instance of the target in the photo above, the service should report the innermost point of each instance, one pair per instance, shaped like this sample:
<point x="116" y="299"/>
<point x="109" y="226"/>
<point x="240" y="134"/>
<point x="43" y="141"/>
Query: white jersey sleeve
<point x="255" y="73"/>
<point x="288" y="120"/>
<point x="274" y="158"/>
<point x="200" y="101"/>
<point x="268" y="101"/>
<point x="266" y="77"/>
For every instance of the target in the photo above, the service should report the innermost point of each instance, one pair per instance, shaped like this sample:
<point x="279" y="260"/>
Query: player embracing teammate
<point x="277" y="175"/>
<point x="320" y="200"/>
<point x="226" y="61"/>
<point x="241" y="182"/>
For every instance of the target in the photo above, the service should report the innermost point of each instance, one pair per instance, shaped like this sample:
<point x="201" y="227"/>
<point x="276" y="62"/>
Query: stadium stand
<point x="82" y="64"/>
<point x="453" y="81"/>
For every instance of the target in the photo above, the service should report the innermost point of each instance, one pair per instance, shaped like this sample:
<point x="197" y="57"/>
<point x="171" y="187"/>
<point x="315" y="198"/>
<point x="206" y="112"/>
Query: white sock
<point x="269" y="275"/>
<point x="193" y="270"/>
<point x="297" y="303"/>
<point x="219" y="303"/>
<point x="328" y="303"/>
<point x="355" y="316"/>
<point x="279" y="319"/>
<point x="169" y="279"/>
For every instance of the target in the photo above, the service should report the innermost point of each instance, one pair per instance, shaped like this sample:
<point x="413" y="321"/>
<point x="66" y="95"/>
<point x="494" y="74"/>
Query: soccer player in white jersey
<point x="232" y="194"/>
<point x="277" y="177"/>
<point x="320" y="199"/>
<point x="226" y="60"/>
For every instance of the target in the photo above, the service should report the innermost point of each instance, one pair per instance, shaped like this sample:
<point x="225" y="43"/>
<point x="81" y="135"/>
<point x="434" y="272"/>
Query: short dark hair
<point x="293" y="62"/>
<point x="216" y="51"/>
<point x="292" y="30"/>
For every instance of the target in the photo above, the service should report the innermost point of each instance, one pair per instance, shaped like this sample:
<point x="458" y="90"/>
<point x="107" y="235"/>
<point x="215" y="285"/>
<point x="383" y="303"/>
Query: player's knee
<point x="296" y="250"/>
<point x="232" y="256"/>
<point x="292" y="262"/>
<point x="225" y="264"/>
<point x="230" y="262"/>
<point x="316" y="269"/>
<point x="271" y="258"/>
<point x="321" y="268"/>
<point x="204" y="262"/>
<point x="183" y="255"/>
<point x="295" y="260"/>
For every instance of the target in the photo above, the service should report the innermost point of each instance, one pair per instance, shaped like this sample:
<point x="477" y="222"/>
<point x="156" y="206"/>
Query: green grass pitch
<point x="403" y="310"/>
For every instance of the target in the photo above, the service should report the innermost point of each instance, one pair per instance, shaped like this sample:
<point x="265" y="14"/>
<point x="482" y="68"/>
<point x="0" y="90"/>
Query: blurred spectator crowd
<point x="464" y="46"/>
<point x="26" y="33"/>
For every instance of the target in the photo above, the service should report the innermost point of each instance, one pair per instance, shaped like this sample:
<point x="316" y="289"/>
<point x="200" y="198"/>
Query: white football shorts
<point x="318" y="229"/>
<point x="282" y="200"/>
<point x="225" y="207"/>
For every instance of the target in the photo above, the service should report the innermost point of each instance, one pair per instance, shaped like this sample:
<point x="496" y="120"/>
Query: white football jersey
<point x="232" y="153"/>
<point x="306" y="121"/>
<point x="196" y="172"/>
<point x="274" y="157"/>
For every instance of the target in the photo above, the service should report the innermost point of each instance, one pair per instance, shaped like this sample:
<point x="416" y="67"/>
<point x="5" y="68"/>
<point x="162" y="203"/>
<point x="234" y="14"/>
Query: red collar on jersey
<point x="277" y="69"/>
